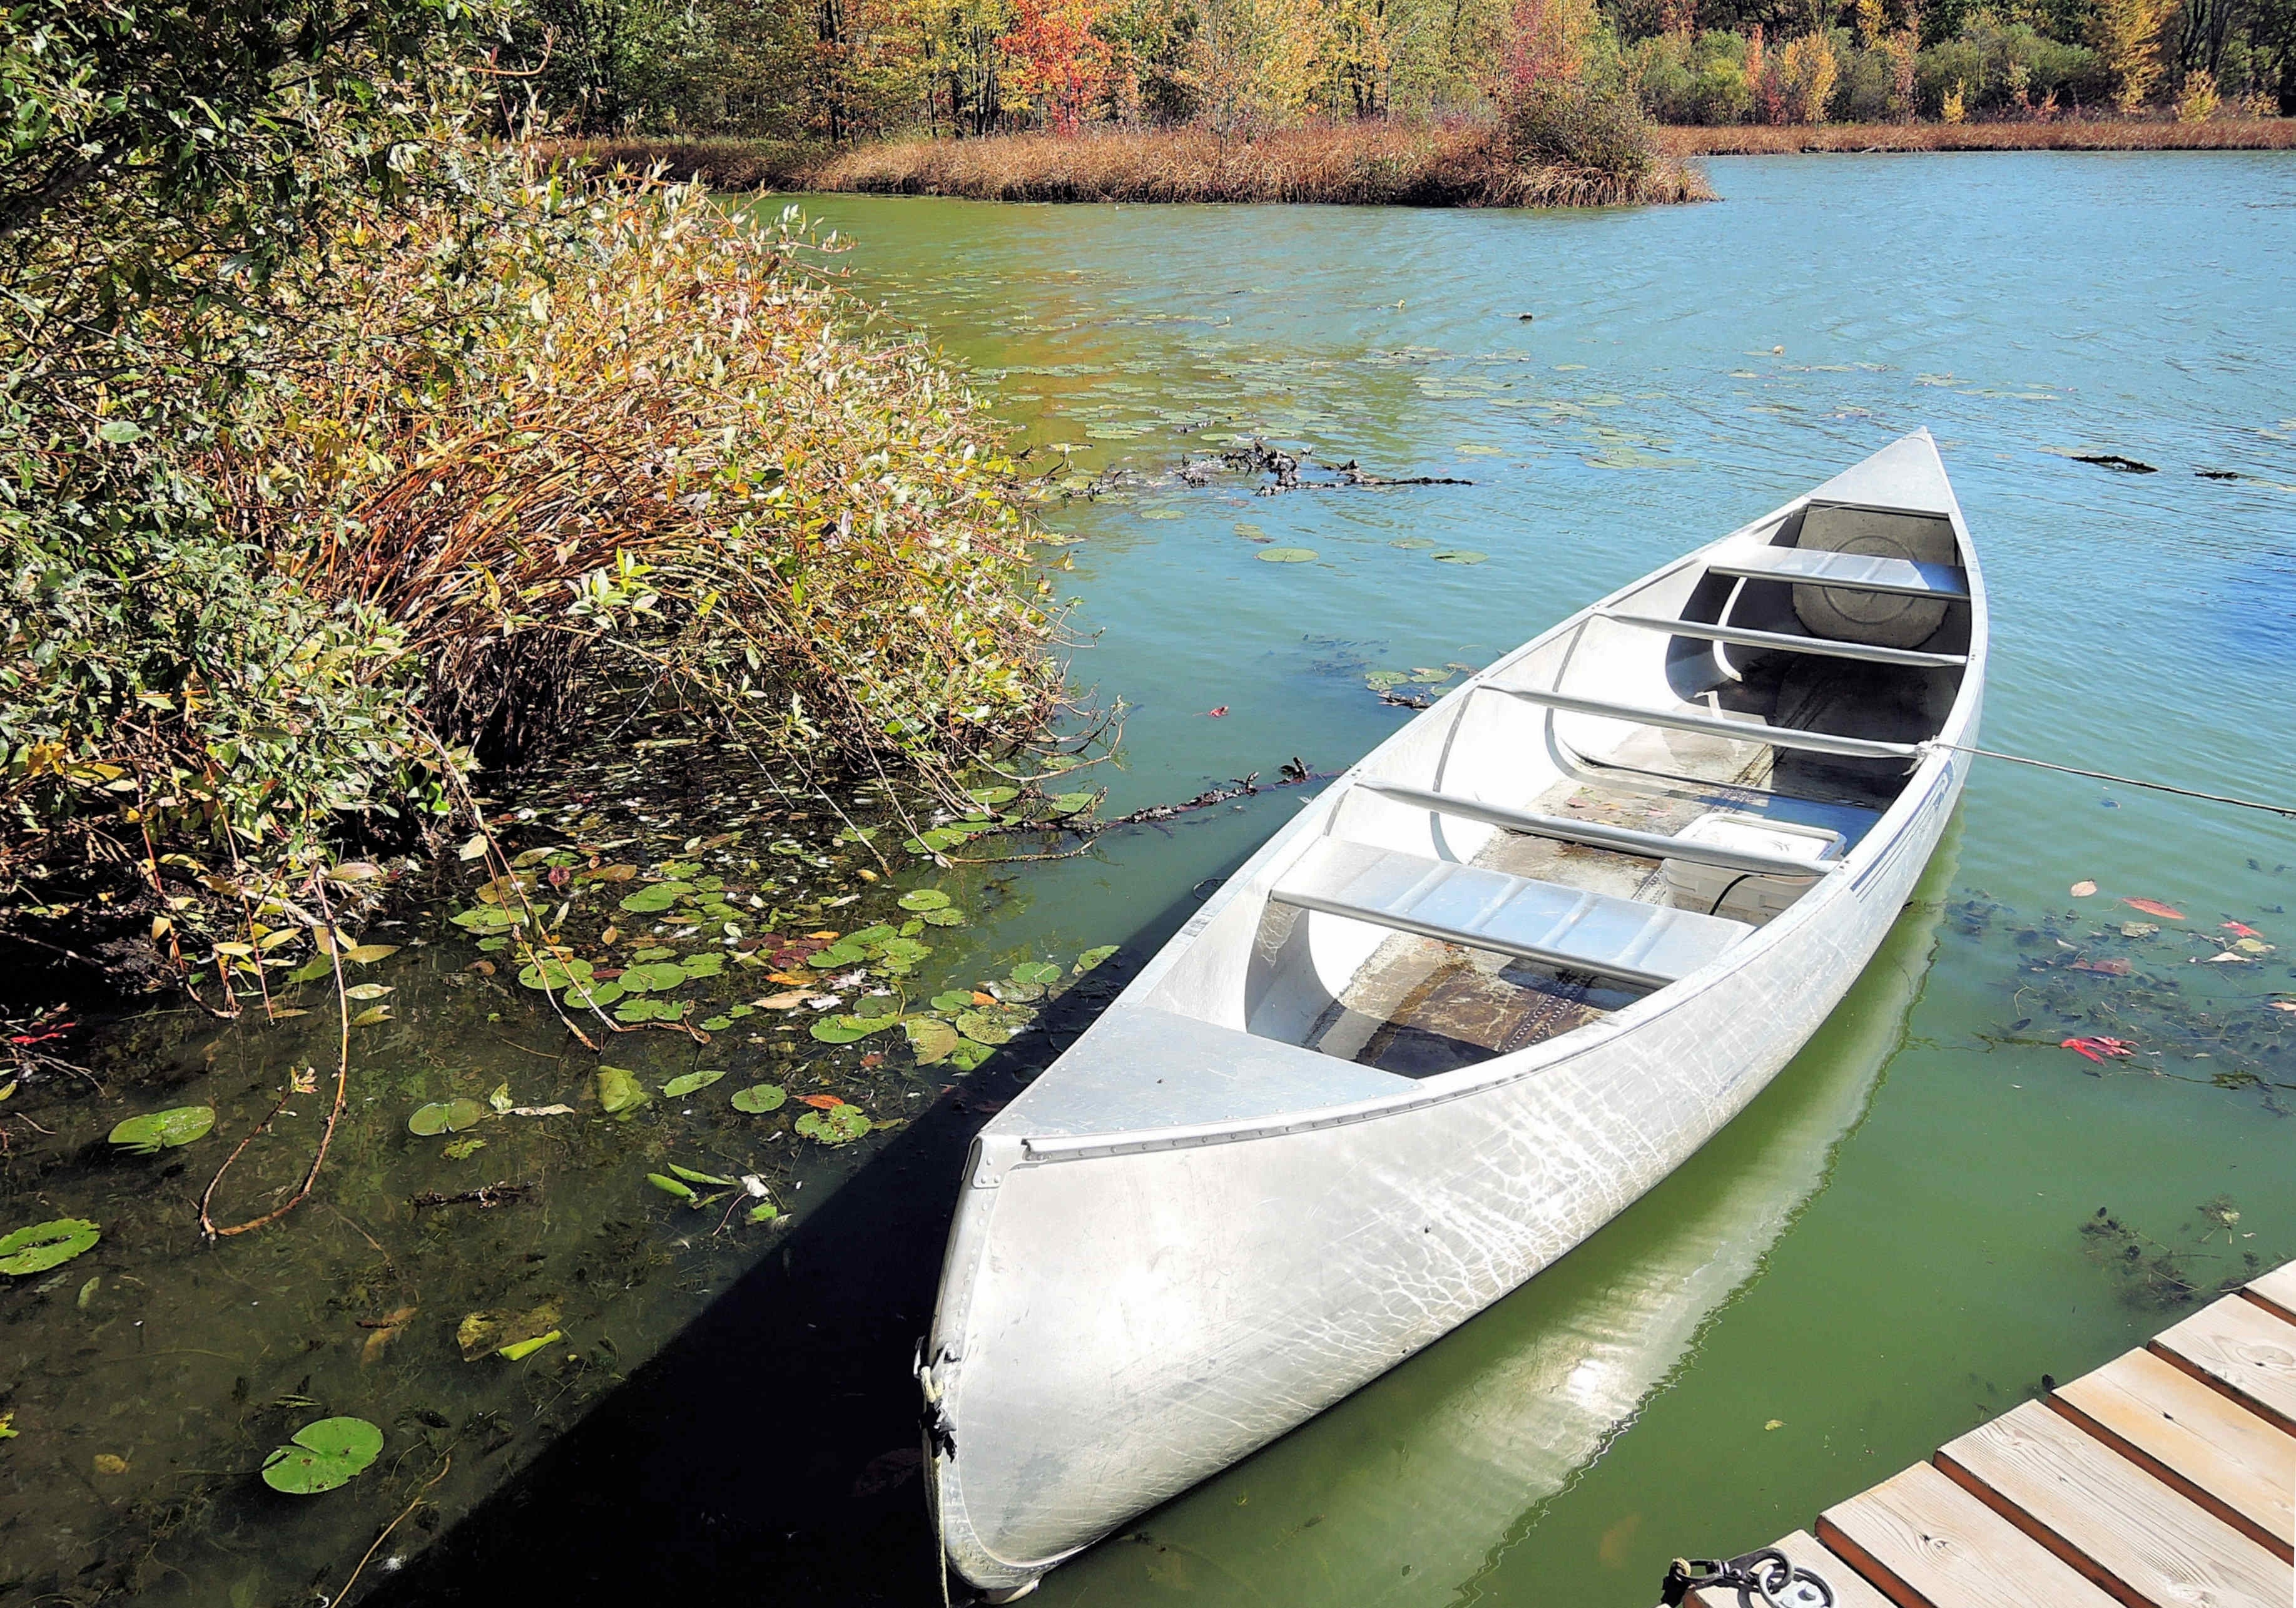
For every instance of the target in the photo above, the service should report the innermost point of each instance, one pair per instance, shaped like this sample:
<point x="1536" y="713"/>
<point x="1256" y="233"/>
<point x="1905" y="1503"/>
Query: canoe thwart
<point x="1567" y="928"/>
<point x="1621" y="839"/>
<point x="1788" y="640"/>
<point x="1715" y="726"/>
<point x="1850" y="571"/>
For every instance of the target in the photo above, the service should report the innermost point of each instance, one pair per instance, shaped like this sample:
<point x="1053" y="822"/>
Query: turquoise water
<point x="1917" y="1265"/>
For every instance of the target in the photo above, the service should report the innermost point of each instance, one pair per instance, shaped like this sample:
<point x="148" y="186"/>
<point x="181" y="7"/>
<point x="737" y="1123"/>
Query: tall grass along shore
<point x="1371" y="163"/>
<point x="2097" y="134"/>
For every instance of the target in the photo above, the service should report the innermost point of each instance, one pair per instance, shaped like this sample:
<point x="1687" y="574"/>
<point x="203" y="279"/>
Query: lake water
<point x="1886" y="1249"/>
<point x="1889" y="1249"/>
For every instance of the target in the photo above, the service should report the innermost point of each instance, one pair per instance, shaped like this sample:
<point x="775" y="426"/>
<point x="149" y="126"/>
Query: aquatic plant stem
<point x="344" y="1595"/>
<point x="334" y="1115"/>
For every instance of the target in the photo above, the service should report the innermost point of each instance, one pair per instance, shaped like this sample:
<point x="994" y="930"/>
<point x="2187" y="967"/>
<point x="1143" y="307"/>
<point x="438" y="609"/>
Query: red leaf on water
<point x="821" y="1101"/>
<point x="2096" y="1048"/>
<point x="1216" y="713"/>
<point x="2080" y="1047"/>
<point x="2242" y="930"/>
<point x="2154" y="906"/>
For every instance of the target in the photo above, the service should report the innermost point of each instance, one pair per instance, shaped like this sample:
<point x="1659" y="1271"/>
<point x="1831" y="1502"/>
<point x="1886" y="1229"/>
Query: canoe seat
<point x="1567" y="928"/>
<point x="1594" y="835"/>
<point x="1714" y="726"/>
<point x="1787" y="641"/>
<point x="1851" y="571"/>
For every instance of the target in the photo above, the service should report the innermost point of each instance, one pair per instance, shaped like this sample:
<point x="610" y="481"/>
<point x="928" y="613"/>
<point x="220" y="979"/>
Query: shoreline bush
<point x="345" y="451"/>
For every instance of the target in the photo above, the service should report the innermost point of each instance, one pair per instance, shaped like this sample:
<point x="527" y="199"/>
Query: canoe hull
<point x="1117" y="1324"/>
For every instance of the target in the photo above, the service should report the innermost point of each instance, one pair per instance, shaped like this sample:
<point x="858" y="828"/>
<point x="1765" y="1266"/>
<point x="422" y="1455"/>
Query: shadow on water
<point x="772" y="1446"/>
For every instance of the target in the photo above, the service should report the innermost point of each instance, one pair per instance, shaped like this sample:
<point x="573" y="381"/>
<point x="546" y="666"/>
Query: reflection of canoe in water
<point x="1498" y="980"/>
<point x="1438" y="1463"/>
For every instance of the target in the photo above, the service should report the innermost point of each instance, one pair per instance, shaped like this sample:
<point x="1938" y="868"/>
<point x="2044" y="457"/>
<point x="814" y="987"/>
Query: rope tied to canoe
<point x="1766" y="1576"/>
<point x="2284" y="810"/>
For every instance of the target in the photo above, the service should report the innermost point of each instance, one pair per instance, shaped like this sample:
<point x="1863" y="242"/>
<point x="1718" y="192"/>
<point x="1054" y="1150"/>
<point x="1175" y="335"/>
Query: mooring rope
<point x="2105" y="776"/>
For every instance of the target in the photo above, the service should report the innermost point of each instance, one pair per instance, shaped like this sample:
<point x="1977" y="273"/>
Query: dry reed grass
<point x="2084" y="134"/>
<point x="1359" y="164"/>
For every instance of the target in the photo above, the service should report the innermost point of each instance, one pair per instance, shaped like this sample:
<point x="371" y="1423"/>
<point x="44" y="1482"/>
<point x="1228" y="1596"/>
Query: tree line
<point x="845" y="69"/>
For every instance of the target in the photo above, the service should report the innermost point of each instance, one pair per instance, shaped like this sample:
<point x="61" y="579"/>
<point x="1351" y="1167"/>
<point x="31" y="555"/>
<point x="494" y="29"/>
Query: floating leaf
<point x="691" y="1176"/>
<point x="1092" y="957"/>
<point x="951" y="917"/>
<point x="370" y="1016"/>
<point x="659" y="977"/>
<point x="1285" y="555"/>
<point x="620" y="1090"/>
<point x="759" y="1098"/>
<point x="500" y="1099"/>
<point x="653" y="898"/>
<point x="993" y="796"/>
<point x="1413" y="542"/>
<point x="764" y="1211"/>
<point x="1073" y="803"/>
<point x="2116" y="967"/>
<point x="839" y="1125"/>
<point x="2252" y="946"/>
<point x="445" y="1116"/>
<point x="2139" y="929"/>
<point x="366" y="955"/>
<point x="669" y="1186"/>
<point x="1459" y="555"/>
<point x="710" y="964"/>
<point x="322" y="1455"/>
<point x="156" y="1131"/>
<point x="366" y="990"/>
<point x="981" y="1028"/>
<point x="524" y="1349"/>
<point x="2083" y="889"/>
<point x="679" y="1088"/>
<point x="2153" y="906"/>
<point x="927" y="898"/>
<point x="933" y="1040"/>
<point x="969" y="1054"/>
<point x="954" y="999"/>
<point x="716" y="1024"/>
<point x="634" y="1010"/>
<point x="2240" y="930"/>
<point x="463" y="1150"/>
<point x="846" y="1030"/>
<point x="2096" y="1048"/>
<point x="45" y="1245"/>
<point x="1036" y="972"/>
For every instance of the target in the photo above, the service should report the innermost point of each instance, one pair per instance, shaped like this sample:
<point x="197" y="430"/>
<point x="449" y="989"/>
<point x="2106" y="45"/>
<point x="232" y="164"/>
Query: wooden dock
<point x="2166" y="1479"/>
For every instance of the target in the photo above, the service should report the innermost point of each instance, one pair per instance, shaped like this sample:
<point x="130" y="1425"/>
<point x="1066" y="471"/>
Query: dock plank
<point x="2213" y="1450"/>
<point x="1930" y="1543"/>
<point x="2112" y="1522"/>
<point x="2276" y="1290"/>
<point x="1804" y="1551"/>
<point x="2241" y="1350"/>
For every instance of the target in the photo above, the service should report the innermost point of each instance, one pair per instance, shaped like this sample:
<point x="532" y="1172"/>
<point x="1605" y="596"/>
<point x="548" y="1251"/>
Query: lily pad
<point x="45" y="1245"/>
<point x="658" y="977"/>
<point x="846" y="1030"/>
<point x="993" y="796"/>
<point x="322" y="1455"/>
<point x="552" y="973"/>
<point x="759" y="1098"/>
<point x="981" y="1028"/>
<point x="954" y="999"/>
<point x="933" y="1039"/>
<point x="1413" y="542"/>
<point x="445" y="1116"/>
<point x="968" y="1055"/>
<point x="1036" y="972"/>
<point x="839" y="1125"/>
<point x="926" y="899"/>
<point x="1460" y="555"/>
<point x="1285" y="555"/>
<point x="679" y="1088"/>
<point x="1092" y="957"/>
<point x="1071" y="803"/>
<point x="634" y="1011"/>
<point x="155" y="1131"/>
<point x="620" y="1090"/>
<point x="652" y="899"/>
<point x="951" y="917"/>
<point x="707" y="965"/>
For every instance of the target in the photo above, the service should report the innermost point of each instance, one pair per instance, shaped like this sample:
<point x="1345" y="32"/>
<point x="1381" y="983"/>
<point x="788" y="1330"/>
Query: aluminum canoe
<point x="1499" y="979"/>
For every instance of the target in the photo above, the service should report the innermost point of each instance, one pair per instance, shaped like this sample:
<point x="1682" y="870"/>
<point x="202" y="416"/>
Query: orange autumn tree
<point x="1058" y="64"/>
